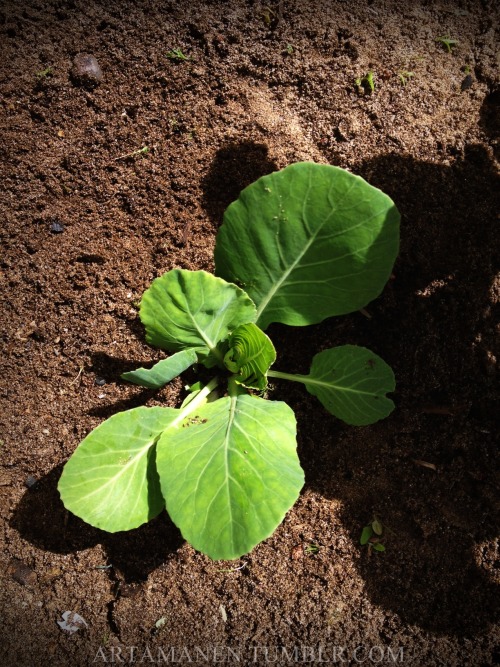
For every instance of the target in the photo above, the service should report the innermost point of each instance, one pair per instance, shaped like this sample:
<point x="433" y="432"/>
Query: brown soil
<point x="84" y="231"/>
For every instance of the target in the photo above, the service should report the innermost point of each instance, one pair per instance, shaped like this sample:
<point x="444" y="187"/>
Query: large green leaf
<point x="250" y="355"/>
<point x="230" y="473"/>
<point x="308" y="242"/>
<point x="193" y="309"/>
<point x="352" y="383"/>
<point x="162" y="372"/>
<point x="110" y="481"/>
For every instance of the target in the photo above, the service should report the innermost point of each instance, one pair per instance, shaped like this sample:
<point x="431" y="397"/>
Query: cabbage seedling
<point x="298" y="246"/>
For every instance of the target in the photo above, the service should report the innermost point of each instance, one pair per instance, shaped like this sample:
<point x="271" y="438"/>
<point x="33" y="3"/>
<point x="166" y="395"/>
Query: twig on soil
<point x="78" y="376"/>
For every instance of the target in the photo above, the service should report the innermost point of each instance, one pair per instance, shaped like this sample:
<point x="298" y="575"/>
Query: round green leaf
<point x="230" y="473"/>
<point x="351" y="382"/>
<point x="110" y="481"/>
<point x="308" y="242"/>
<point x="193" y="309"/>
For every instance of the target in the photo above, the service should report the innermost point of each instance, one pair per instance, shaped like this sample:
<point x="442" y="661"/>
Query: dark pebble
<point x="56" y="227"/>
<point x="467" y="83"/>
<point x="86" y="71"/>
<point x="21" y="573"/>
<point x="30" y="481"/>
<point x="100" y="382"/>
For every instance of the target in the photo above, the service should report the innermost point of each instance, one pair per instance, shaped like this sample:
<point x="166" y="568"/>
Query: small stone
<point x="86" y="71"/>
<point x="100" y="382"/>
<point x="22" y="573"/>
<point x="30" y="481"/>
<point x="56" y="227"/>
<point x="467" y="83"/>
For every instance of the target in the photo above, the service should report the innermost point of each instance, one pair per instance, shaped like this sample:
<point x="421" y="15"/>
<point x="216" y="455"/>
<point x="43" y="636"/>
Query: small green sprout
<point x="447" y="42"/>
<point x="311" y="549"/>
<point x="366" y="82"/>
<point x="405" y="76"/>
<point x="48" y="71"/>
<point x="177" y="55"/>
<point x="140" y="151"/>
<point x="289" y="49"/>
<point x="372" y="535"/>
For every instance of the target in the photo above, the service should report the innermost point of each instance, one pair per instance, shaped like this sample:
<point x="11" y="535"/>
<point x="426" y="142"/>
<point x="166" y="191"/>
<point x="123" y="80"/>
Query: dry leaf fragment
<point x="72" y="622"/>
<point x="425" y="464"/>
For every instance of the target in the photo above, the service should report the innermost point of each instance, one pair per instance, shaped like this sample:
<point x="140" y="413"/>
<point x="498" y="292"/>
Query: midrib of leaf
<point x="263" y="304"/>
<point x="232" y="412"/>
<point x="307" y="379"/>
<point x="190" y="407"/>
<point x="124" y="468"/>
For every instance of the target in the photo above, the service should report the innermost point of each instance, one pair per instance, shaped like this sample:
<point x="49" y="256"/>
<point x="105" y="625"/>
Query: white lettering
<point x="233" y="654"/>
<point x="338" y="654"/>
<point x="116" y="651"/>
<point x="100" y="653"/>
<point x="161" y="654"/>
<point x="355" y="653"/>
<point x="394" y="657"/>
<point x="372" y="652"/>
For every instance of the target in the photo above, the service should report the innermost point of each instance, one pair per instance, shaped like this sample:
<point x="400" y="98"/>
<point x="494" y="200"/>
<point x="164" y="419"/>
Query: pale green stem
<point x="197" y="401"/>
<point x="288" y="376"/>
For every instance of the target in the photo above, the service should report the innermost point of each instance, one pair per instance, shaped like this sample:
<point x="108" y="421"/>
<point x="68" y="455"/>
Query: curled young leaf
<point x="250" y="355"/>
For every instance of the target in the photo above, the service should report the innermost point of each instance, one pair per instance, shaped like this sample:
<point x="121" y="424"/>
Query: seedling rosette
<point x="299" y="245"/>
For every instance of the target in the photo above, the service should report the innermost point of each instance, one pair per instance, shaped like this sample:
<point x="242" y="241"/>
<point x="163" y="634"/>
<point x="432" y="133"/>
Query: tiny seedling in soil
<point x="177" y="56"/>
<point x="48" y="71"/>
<point x="405" y="76"/>
<point x="447" y="42"/>
<point x="289" y="49"/>
<point x="372" y="536"/>
<point x="140" y="151"/>
<point x="298" y="246"/>
<point x="366" y="83"/>
<point x="311" y="549"/>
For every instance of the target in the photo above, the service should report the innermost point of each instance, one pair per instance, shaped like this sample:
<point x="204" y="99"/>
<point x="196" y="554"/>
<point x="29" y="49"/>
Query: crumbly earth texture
<point x="116" y="175"/>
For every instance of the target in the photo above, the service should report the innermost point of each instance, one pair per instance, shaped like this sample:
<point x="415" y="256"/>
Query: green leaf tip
<point x="162" y="372"/>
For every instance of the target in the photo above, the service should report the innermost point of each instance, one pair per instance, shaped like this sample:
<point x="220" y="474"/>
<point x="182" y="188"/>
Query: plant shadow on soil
<point x="433" y="324"/>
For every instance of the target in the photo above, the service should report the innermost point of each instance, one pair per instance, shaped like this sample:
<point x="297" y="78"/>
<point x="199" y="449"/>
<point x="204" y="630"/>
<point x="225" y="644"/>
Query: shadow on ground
<point x="436" y="326"/>
<point x="235" y="166"/>
<point x="59" y="531"/>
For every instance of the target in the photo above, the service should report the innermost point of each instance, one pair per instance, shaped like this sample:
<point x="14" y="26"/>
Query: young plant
<point x="366" y="83"/>
<point x="177" y="55"/>
<point x="140" y="151"/>
<point x="372" y="536"/>
<point x="447" y="42"/>
<point x="405" y="76"/>
<point x="298" y="246"/>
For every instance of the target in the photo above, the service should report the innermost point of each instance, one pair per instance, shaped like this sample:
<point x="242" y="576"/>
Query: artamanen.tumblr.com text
<point x="280" y="655"/>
